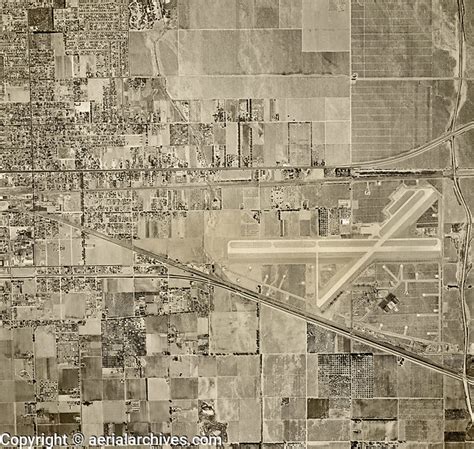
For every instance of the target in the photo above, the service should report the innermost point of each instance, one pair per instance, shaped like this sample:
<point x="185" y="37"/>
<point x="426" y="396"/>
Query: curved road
<point x="443" y="138"/>
<point x="270" y="302"/>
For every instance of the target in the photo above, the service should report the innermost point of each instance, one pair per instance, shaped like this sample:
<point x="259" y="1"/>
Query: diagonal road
<point x="270" y="302"/>
<point x="443" y="138"/>
<point x="366" y="250"/>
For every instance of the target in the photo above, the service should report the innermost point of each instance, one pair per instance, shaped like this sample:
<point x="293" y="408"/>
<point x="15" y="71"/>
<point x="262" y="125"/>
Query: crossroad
<point x="254" y="296"/>
<point x="358" y="253"/>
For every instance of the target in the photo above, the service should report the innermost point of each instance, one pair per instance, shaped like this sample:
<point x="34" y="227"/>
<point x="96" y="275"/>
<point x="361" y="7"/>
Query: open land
<point x="246" y="220"/>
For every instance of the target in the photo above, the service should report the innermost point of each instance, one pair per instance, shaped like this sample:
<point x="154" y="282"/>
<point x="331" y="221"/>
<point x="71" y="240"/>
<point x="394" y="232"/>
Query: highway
<point x="270" y="302"/>
<point x="464" y="249"/>
<point x="443" y="138"/>
<point x="374" y="163"/>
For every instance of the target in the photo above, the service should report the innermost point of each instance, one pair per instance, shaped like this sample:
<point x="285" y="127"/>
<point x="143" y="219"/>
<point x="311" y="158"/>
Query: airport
<point x="353" y="255"/>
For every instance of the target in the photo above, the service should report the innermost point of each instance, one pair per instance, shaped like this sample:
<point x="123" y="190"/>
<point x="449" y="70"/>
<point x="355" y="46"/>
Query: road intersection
<point x="385" y="244"/>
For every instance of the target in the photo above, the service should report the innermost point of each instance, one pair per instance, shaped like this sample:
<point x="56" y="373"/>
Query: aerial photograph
<point x="240" y="224"/>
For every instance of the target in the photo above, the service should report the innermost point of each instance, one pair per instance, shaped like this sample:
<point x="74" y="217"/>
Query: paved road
<point x="374" y="163"/>
<point x="407" y="212"/>
<point x="446" y="137"/>
<point x="270" y="302"/>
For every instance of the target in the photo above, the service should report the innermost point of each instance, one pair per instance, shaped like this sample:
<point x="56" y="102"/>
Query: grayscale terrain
<point x="249" y="219"/>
